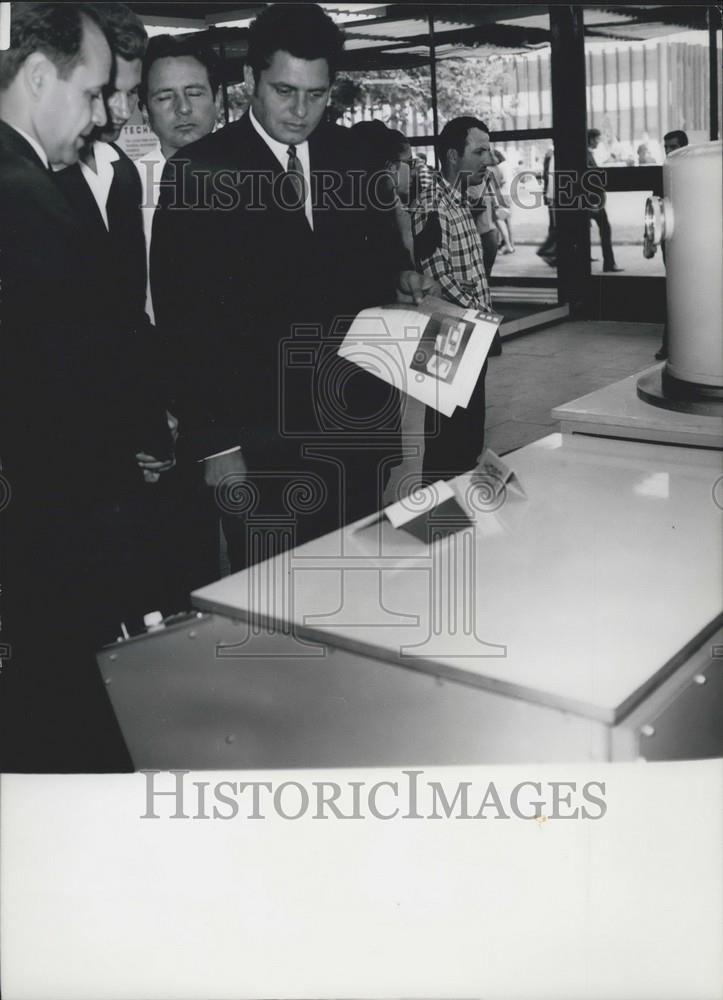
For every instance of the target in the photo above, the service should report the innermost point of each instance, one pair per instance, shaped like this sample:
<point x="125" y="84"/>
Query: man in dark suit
<point x="105" y="190"/>
<point x="72" y="410"/>
<point x="261" y="246"/>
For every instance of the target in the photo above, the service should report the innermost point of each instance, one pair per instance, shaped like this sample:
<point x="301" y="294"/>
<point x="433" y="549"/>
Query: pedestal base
<point x="659" y="388"/>
<point x="621" y="410"/>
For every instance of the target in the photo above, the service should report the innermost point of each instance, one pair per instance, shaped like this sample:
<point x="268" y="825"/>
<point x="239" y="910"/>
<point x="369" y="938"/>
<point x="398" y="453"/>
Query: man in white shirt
<point x="128" y="39"/>
<point x="178" y="89"/>
<point x="104" y="190"/>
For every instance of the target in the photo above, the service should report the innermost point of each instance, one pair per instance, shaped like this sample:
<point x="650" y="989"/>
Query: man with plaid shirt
<point x="447" y="247"/>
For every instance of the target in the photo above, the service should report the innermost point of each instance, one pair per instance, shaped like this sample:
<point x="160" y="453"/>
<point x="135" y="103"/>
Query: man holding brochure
<point x="448" y="248"/>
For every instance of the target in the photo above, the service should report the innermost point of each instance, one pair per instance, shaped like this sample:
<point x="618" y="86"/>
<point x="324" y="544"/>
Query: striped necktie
<point x="296" y="182"/>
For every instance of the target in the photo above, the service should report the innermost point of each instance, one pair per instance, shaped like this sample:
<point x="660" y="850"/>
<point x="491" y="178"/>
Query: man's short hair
<point x="303" y="30"/>
<point x="593" y="133"/>
<point x="55" y="29"/>
<point x="378" y="144"/>
<point x="454" y="135"/>
<point x="678" y="135"/>
<point x="175" y="47"/>
<point x="126" y="33"/>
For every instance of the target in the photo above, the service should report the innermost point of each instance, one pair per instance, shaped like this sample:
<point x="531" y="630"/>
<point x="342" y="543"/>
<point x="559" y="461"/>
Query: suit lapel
<point x="82" y="199"/>
<point x="48" y="188"/>
<point x="323" y="167"/>
<point x="256" y="156"/>
<point x="115" y="202"/>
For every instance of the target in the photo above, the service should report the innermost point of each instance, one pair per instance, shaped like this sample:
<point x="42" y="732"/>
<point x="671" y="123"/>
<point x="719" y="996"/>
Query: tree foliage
<point x="466" y="84"/>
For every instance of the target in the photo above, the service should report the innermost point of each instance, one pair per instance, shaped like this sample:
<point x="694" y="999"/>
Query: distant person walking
<point x="599" y="215"/>
<point x="501" y="209"/>
<point x="548" y="249"/>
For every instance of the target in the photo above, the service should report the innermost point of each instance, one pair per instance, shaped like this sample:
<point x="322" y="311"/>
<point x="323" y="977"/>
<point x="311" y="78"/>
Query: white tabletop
<point x="618" y="411"/>
<point x="580" y="596"/>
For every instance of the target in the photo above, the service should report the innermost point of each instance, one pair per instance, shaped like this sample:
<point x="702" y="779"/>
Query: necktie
<point x="296" y="183"/>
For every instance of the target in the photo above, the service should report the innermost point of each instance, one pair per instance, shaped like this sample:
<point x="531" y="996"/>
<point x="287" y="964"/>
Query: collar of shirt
<point x="280" y="151"/>
<point x="99" y="181"/>
<point x="35" y="144"/>
<point x="455" y="193"/>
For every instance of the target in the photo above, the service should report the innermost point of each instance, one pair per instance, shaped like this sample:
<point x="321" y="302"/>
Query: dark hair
<point x="303" y="30"/>
<point x="126" y="33"/>
<point x="454" y="135"/>
<point x="54" y="29"/>
<point x="679" y="135"/>
<point x="593" y="133"/>
<point x="378" y="144"/>
<point x="175" y="47"/>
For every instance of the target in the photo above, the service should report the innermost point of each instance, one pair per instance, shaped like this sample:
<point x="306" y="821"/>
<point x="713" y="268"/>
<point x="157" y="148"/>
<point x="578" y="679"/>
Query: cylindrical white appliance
<point x="693" y="234"/>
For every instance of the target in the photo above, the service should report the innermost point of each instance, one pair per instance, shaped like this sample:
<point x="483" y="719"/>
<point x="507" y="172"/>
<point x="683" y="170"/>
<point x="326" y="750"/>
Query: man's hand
<point x="218" y="467"/>
<point x="413" y="287"/>
<point x="153" y="467"/>
<point x="172" y="425"/>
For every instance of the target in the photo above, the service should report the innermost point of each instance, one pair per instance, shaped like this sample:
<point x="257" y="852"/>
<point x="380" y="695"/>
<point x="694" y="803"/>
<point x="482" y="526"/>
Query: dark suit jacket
<point x="122" y="243"/>
<point x="119" y="252"/>
<point x="74" y="411"/>
<point x="248" y="297"/>
<point x="72" y="417"/>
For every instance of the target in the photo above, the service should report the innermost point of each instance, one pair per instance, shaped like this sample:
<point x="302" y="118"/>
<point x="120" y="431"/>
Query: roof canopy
<point x="396" y="35"/>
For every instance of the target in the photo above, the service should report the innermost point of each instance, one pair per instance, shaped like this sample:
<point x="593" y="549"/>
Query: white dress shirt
<point x="150" y="169"/>
<point x="281" y="152"/>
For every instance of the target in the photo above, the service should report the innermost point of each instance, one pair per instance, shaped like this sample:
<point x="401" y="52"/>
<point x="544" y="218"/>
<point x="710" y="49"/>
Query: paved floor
<point x="546" y="368"/>
<point x="525" y="263"/>
<point x="539" y="371"/>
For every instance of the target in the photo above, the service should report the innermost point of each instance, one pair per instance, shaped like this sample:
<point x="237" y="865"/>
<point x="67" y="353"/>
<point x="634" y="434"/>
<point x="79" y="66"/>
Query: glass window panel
<point x="529" y="219"/>
<point x="626" y="215"/>
<point x="425" y="152"/>
<point x="508" y="90"/>
<point x="238" y="103"/>
<point x="644" y="86"/>
<point x="401" y="98"/>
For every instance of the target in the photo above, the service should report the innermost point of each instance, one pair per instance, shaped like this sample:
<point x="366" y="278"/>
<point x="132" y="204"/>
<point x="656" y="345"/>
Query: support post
<point x="569" y="116"/>
<point x="433" y="81"/>
<point x="714" y="25"/>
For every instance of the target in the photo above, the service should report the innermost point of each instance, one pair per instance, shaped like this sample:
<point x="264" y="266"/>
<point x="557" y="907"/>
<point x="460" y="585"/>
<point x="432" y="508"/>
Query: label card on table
<point x="497" y="474"/>
<point x="429" y="512"/>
